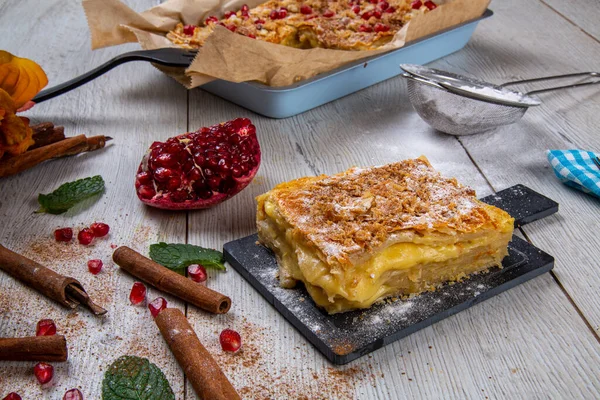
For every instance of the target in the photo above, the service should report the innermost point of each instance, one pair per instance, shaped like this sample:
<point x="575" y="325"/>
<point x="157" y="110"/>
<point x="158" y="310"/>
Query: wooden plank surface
<point x="475" y="353"/>
<point x="566" y="120"/>
<point x="526" y="343"/>
<point x="582" y="13"/>
<point x="134" y="104"/>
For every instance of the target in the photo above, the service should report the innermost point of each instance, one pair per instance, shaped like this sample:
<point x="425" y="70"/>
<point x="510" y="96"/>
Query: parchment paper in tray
<point x="236" y="58"/>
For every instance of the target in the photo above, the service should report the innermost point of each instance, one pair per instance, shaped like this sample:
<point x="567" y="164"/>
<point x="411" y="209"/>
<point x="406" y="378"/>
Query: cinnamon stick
<point x="41" y="127"/>
<point x="203" y="372"/>
<point x="48" y="136"/>
<point x="36" y="348"/>
<point x="66" y="147"/>
<point x="62" y="289"/>
<point x="171" y="282"/>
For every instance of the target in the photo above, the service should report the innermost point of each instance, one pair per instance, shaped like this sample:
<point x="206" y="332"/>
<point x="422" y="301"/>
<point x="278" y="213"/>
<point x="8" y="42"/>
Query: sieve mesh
<point x="458" y="115"/>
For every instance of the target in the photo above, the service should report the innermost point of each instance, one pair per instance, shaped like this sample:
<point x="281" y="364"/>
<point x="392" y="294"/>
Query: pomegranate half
<point x="199" y="169"/>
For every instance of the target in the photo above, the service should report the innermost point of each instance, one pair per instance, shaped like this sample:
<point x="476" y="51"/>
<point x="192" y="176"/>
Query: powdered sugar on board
<point x="347" y="336"/>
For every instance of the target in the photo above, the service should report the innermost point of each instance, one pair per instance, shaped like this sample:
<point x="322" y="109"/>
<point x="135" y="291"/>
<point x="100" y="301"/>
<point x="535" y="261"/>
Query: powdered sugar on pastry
<point x="362" y="209"/>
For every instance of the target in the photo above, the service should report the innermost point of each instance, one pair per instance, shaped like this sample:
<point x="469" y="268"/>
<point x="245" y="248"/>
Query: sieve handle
<point x="555" y="77"/>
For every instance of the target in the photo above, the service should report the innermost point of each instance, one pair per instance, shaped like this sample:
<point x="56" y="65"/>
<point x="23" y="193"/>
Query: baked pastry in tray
<point x="368" y="234"/>
<point x="343" y="24"/>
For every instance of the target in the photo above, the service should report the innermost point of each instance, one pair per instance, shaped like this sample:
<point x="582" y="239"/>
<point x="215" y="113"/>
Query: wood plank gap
<point x="475" y="164"/>
<point x="567" y="295"/>
<point x="560" y="285"/>
<point x="569" y="20"/>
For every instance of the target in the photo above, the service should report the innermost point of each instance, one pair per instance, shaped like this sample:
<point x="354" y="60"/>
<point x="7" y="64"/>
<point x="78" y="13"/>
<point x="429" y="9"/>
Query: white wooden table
<point x="539" y="340"/>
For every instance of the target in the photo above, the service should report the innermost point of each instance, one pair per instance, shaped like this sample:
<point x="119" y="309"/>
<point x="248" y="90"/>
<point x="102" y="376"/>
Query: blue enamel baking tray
<point x="287" y="101"/>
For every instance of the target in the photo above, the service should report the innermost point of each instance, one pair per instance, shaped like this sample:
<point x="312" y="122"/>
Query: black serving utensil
<point x="167" y="57"/>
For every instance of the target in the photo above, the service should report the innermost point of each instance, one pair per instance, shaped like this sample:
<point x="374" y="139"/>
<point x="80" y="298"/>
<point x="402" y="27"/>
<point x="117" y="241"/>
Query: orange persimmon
<point x="20" y="80"/>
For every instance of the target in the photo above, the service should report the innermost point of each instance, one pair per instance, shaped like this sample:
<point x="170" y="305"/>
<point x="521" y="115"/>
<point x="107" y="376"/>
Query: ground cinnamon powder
<point x="252" y="373"/>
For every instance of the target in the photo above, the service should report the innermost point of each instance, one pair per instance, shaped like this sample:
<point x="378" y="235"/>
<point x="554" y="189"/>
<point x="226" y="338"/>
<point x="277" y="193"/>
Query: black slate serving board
<point x="348" y="336"/>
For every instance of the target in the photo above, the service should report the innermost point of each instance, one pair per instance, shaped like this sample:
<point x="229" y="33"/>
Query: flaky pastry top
<point x="361" y="209"/>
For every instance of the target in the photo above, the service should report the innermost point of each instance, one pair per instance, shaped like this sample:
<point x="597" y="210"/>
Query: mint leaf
<point x="69" y="194"/>
<point x="131" y="377"/>
<point x="179" y="256"/>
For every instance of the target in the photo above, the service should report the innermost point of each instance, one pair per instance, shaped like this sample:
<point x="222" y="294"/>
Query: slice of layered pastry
<point x="367" y="234"/>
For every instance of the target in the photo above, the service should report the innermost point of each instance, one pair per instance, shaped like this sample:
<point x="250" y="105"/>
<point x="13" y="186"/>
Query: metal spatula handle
<point x="556" y="77"/>
<point x="168" y="57"/>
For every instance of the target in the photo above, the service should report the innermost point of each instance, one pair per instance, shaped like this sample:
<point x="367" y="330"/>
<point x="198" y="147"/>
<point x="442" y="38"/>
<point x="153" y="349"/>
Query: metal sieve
<point x="459" y="105"/>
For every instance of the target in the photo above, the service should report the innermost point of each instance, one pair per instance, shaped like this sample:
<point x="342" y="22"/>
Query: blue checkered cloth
<point x="576" y="168"/>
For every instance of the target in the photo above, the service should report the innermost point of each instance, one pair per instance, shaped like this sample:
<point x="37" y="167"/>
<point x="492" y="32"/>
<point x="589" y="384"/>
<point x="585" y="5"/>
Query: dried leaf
<point x="20" y="77"/>
<point x="15" y="134"/>
<point x="20" y="80"/>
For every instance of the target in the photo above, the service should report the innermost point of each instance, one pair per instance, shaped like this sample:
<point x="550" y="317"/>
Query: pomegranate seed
<point x="194" y="174"/>
<point x="156" y="145"/>
<point x="381" y="28"/>
<point x="251" y="36"/>
<point x="373" y="1"/>
<point x="12" y="396"/>
<point x="211" y="19"/>
<point x="100" y="229"/>
<point x="45" y="327"/>
<point x="73" y="394"/>
<point x="279" y="14"/>
<point x="197" y="273"/>
<point x="63" y="235"/>
<point x="306" y="9"/>
<point x="328" y="14"/>
<point x="367" y="15"/>
<point x="230" y="340"/>
<point x="138" y="293"/>
<point x="356" y="10"/>
<point x="377" y="14"/>
<point x="43" y="372"/>
<point x="143" y="178"/>
<point x="245" y="8"/>
<point x="384" y="5"/>
<point x="390" y="10"/>
<point x="166" y="160"/>
<point x="85" y="236"/>
<point x="228" y="14"/>
<point x="162" y="174"/>
<point x="259" y="21"/>
<point x="146" y="192"/>
<point x="157" y="305"/>
<point x="189" y="30"/>
<point x="173" y="183"/>
<point x="232" y="28"/>
<point x="416" y="4"/>
<point x="95" y="266"/>
<point x="365" y="28"/>
<point x="430" y="4"/>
